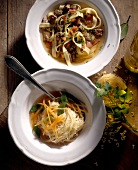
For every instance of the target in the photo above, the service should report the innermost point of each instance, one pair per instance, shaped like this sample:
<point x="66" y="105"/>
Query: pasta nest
<point x="114" y="81"/>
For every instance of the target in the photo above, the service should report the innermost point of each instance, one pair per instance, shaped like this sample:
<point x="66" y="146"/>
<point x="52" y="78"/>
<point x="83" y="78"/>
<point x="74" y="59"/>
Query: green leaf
<point x="117" y="114"/>
<point x="98" y="85"/>
<point x="122" y="98"/>
<point x="63" y="103"/>
<point x="116" y="91"/>
<point x="107" y="87"/>
<point x="60" y="112"/>
<point x="121" y="92"/>
<point x="121" y="106"/>
<point x="125" y="110"/>
<point x="34" y="108"/>
<point x="64" y="98"/>
<point x="127" y="97"/>
<point x="37" y="131"/>
<point x="101" y="92"/>
<point x="124" y="29"/>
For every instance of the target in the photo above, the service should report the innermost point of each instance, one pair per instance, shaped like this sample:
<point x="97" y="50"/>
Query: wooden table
<point x="108" y="154"/>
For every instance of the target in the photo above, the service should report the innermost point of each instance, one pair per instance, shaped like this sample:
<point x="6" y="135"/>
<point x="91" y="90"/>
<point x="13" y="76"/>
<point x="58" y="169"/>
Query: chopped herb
<point x="116" y="110"/>
<point x="63" y="103"/>
<point x="127" y="97"/>
<point x="37" y="131"/>
<point x="34" y="108"/>
<point x="107" y="87"/>
<point x="64" y="97"/>
<point x="103" y="91"/>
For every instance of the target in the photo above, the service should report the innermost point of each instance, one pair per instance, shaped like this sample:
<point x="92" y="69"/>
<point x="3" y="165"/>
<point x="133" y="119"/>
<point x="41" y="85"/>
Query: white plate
<point x="21" y="131"/>
<point x="112" y="35"/>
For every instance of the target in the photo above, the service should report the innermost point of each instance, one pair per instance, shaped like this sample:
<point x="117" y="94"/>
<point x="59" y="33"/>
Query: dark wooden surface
<point x="112" y="153"/>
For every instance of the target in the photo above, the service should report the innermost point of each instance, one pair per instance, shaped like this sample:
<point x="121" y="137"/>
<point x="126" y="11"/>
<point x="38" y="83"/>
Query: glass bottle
<point x="131" y="57"/>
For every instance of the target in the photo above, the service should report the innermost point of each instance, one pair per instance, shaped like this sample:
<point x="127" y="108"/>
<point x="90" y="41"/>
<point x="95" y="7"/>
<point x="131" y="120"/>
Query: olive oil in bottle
<point x="131" y="57"/>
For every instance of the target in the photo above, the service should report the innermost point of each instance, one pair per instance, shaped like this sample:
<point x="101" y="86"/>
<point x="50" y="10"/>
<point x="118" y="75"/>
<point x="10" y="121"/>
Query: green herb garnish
<point x="117" y="108"/>
<point x="103" y="91"/>
<point x="37" y="131"/>
<point x="34" y="108"/>
<point x="63" y="103"/>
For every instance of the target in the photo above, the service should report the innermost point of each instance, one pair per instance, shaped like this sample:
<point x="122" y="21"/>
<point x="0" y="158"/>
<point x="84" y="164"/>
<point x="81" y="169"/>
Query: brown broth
<point x="47" y="45"/>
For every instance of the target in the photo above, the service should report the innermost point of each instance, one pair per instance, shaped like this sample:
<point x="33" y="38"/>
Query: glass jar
<point x="131" y="57"/>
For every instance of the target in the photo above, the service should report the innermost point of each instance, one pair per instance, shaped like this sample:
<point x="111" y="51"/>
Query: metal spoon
<point x="18" y="68"/>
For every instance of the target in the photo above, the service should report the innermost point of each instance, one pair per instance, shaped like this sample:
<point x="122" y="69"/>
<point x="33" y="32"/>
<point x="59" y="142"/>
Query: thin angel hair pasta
<point x="55" y="127"/>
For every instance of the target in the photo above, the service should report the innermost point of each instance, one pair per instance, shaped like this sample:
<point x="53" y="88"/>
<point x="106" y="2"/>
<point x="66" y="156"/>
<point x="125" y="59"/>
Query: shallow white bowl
<point x="112" y="35"/>
<point x="19" y="123"/>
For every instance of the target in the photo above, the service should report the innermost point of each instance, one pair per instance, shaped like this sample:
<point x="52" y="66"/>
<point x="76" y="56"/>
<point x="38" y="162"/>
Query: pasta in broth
<point x="55" y="122"/>
<point x="72" y="34"/>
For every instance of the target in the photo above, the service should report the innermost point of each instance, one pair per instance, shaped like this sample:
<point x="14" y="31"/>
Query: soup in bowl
<point x="79" y="35"/>
<point x="80" y="127"/>
<point x="72" y="34"/>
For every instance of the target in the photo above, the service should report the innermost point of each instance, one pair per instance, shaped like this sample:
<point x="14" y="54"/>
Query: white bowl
<point x="19" y="123"/>
<point x="112" y="35"/>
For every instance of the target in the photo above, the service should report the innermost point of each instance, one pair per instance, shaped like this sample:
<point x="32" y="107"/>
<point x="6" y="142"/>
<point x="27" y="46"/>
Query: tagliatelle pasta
<point x="75" y="35"/>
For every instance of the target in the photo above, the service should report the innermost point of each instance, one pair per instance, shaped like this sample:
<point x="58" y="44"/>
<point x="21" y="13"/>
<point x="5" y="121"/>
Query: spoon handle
<point x="18" y="68"/>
